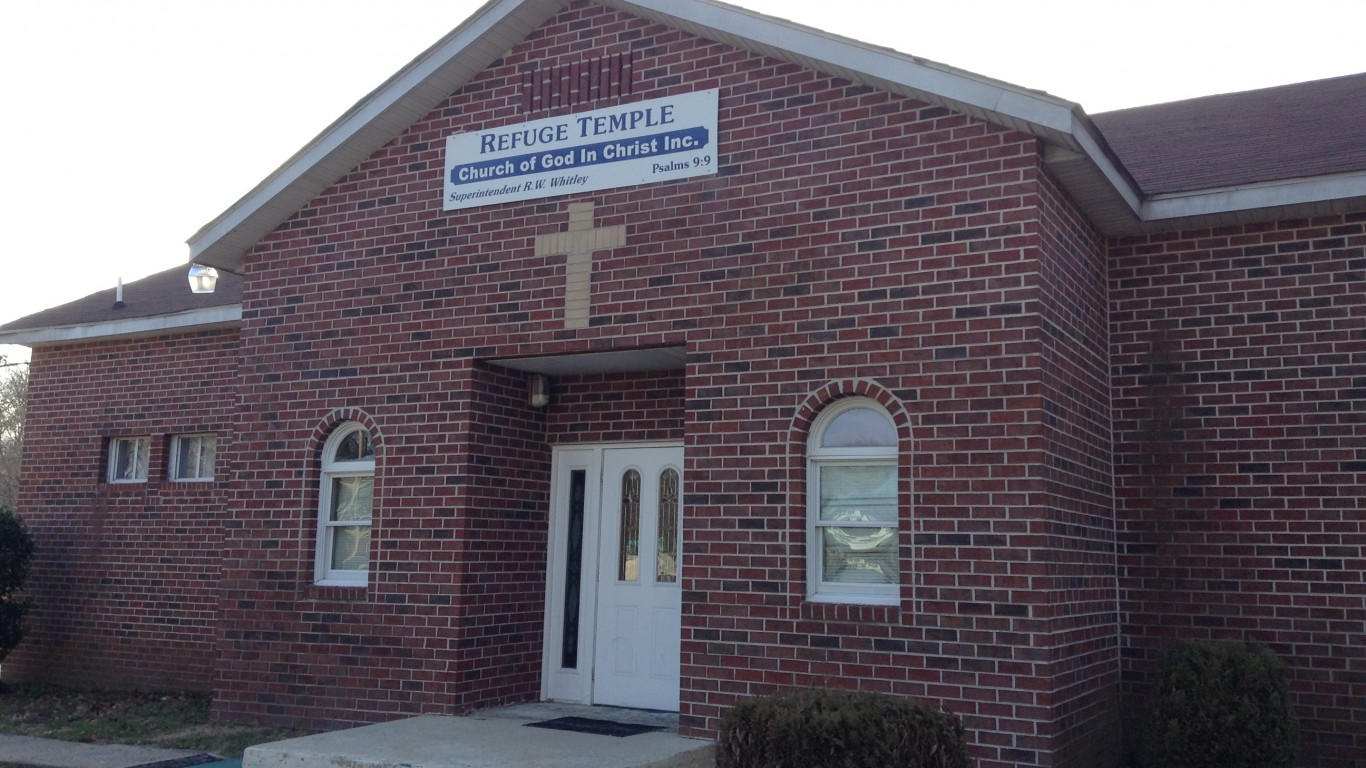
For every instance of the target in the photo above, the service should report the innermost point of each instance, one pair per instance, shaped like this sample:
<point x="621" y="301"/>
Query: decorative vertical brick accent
<point x="125" y="576"/>
<point x="1239" y="371"/>
<point x="577" y="82"/>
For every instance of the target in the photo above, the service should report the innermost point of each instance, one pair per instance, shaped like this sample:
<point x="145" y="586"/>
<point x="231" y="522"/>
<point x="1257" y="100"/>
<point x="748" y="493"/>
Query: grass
<point x="173" y="720"/>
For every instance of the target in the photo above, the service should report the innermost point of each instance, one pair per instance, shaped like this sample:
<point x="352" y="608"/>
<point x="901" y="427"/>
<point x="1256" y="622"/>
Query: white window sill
<point x="342" y="582"/>
<point x="856" y="599"/>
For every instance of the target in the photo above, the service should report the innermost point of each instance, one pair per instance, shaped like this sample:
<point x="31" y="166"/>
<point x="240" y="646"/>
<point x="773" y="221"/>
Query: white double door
<point x="615" y="584"/>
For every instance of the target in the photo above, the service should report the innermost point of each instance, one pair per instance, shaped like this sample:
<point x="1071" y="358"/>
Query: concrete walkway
<point x="496" y="738"/>
<point x="32" y="750"/>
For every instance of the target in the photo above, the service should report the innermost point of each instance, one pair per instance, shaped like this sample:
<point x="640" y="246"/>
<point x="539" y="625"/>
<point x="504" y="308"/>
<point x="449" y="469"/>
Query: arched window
<point x="346" y="500"/>
<point x="853" y="550"/>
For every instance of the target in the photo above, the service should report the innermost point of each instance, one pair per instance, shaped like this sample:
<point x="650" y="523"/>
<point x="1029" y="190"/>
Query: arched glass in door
<point x="666" y="561"/>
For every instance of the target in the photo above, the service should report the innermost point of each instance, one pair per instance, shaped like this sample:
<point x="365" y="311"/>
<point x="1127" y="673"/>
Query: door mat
<point x="593" y="726"/>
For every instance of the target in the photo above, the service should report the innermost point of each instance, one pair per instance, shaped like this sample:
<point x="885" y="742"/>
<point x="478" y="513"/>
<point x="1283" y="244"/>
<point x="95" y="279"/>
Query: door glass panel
<point x="666" y="561"/>
<point x="573" y="568"/>
<point x="628" y="559"/>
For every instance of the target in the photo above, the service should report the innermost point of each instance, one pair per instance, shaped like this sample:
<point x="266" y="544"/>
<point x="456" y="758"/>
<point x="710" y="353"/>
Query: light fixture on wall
<point x="202" y="279"/>
<point x="538" y="390"/>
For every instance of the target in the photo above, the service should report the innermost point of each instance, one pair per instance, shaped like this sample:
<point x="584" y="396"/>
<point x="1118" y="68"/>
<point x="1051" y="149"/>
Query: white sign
<point x="640" y="143"/>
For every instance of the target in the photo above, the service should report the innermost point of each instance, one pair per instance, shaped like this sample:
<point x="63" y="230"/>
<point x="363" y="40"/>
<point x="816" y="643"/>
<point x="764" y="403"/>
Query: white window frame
<point x="817" y="589"/>
<point x="140" y="445"/>
<point x="178" y="471"/>
<point x="325" y="574"/>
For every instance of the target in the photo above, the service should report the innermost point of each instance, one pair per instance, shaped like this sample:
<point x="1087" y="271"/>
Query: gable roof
<point x="156" y="304"/>
<point x="496" y="27"/>
<point x="1291" y="131"/>
<point x="1078" y="150"/>
<point x="1287" y="151"/>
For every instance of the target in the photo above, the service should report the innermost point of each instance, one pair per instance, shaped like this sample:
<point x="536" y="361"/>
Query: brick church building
<point x="658" y="353"/>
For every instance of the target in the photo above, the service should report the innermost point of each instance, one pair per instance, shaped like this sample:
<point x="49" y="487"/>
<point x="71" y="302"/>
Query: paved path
<point x="495" y="738"/>
<point x="32" y="750"/>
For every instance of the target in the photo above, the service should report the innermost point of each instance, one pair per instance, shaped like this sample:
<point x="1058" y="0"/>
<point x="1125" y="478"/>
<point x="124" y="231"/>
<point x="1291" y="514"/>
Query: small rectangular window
<point x="129" y="459"/>
<point x="192" y="457"/>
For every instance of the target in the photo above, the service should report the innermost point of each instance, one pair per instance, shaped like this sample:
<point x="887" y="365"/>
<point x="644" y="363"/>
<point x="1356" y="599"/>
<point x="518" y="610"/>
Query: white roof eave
<point x="375" y="120"/>
<point x="1092" y="174"/>
<point x="224" y="316"/>
<point x="855" y="60"/>
<point x="1057" y="121"/>
<point x="1250" y="197"/>
<point x="500" y="24"/>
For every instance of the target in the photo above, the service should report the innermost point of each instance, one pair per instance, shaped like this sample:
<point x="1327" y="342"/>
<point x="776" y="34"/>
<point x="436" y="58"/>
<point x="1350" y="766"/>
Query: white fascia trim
<point x="138" y="326"/>
<point x="843" y="53"/>
<point x="1050" y="117"/>
<point x="1271" y="194"/>
<point x="345" y="128"/>
<point x="1058" y="118"/>
<point x="1118" y="178"/>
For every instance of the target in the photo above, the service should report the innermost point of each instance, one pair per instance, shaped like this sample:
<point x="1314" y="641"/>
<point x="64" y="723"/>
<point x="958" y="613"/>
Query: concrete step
<point x="496" y="738"/>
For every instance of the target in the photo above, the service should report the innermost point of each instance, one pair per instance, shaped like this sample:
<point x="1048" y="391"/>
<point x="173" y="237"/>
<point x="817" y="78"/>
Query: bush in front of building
<point x="839" y="729"/>
<point x="16" y="553"/>
<point x="1221" y="705"/>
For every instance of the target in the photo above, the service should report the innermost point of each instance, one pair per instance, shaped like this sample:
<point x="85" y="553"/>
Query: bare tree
<point x="13" y="398"/>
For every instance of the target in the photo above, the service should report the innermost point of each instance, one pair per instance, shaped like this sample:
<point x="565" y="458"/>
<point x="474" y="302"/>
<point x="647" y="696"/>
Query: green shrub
<point x="1221" y="705"/>
<point x="838" y="729"/>
<point x="16" y="553"/>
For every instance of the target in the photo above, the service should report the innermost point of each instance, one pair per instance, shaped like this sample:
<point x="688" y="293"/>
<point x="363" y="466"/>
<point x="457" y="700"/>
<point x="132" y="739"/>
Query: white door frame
<point x="557" y="682"/>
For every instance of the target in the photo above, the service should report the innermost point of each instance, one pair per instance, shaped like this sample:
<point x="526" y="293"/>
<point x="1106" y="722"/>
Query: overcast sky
<point x="128" y="124"/>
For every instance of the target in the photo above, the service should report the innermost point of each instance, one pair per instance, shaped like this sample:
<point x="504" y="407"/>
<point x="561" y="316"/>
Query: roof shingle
<point x="164" y="293"/>
<point x="1232" y="139"/>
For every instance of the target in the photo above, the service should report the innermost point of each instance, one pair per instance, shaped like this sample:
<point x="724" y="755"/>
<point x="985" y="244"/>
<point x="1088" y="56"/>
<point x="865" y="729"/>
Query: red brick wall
<point x="616" y="407"/>
<point x="452" y="617"/>
<point x="125" y="576"/>
<point x="1078" y="534"/>
<point x="852" y="241"/>
<point x="1240" y="411"/>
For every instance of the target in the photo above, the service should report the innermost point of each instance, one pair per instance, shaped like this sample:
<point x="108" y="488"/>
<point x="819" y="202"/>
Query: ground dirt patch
<point x="175" y="720"/>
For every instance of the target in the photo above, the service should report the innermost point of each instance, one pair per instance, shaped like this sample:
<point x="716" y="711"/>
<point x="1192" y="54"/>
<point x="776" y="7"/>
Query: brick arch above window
<point x="329" y="423"/>
<point x="838" y="389"/>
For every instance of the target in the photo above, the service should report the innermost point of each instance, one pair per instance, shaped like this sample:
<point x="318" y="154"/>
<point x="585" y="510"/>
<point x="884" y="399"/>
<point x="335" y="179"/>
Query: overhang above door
<point x="615" y="361"/>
